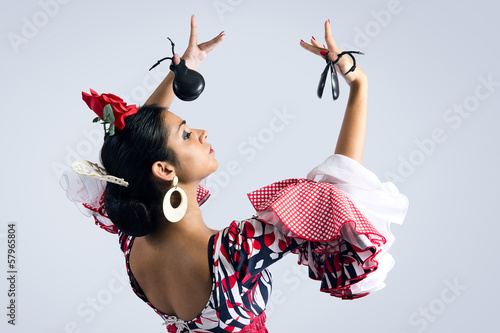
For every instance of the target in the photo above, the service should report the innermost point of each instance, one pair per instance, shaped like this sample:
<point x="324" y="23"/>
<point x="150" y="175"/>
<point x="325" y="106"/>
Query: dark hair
<point x="130" y="154"/>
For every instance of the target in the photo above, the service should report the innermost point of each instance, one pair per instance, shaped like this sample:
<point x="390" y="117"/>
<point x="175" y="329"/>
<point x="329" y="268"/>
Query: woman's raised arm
<point x="194" y="55"/>
<point x="351" y="140"/>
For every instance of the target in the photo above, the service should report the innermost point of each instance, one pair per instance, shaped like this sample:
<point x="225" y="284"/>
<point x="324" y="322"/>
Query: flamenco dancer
<point x="150" y="189"/>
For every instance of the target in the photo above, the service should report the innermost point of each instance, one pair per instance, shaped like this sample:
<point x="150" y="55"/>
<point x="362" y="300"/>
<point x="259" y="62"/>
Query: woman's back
<point x="174" y="274"/>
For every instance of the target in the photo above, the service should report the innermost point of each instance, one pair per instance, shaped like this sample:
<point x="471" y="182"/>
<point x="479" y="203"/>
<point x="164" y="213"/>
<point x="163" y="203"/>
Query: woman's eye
<point x="186" y="135"/>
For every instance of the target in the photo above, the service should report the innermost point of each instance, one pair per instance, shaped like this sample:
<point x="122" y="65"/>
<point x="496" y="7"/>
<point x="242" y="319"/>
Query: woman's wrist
<point x="357" y="78"/>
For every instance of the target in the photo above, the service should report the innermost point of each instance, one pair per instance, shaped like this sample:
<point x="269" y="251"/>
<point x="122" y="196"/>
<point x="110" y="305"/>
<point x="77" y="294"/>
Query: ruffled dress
<point x="337" y="221"/>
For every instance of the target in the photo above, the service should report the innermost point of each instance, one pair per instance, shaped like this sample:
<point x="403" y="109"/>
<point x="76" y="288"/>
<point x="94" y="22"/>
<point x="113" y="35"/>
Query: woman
<point x="157" y="153"/>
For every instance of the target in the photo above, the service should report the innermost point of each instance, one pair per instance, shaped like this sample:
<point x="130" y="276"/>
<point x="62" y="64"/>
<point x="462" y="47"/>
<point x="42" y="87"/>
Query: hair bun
<point x="131" y="215"/>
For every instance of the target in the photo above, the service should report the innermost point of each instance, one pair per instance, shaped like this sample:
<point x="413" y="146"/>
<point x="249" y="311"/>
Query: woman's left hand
<point x="195" y="53"/>
<point x="344" y="63"/>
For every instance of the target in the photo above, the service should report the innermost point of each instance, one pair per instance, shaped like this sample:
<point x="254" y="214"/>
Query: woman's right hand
<point x="344" y="63"/>
<point x="193" y="56"/>
<point x="195" y="53"/>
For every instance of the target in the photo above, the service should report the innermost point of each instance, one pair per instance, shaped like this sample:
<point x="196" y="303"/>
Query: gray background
<point x="425" y="61"/>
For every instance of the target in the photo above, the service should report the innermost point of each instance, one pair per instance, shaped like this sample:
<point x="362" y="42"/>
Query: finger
<point x="176" y="59"/>
<point x="311" y="48"/>
<point x="193" y="37"/>
<point x="315" y="42"/>
<point x="329" y="39"/>
<point x="211" y="44"/>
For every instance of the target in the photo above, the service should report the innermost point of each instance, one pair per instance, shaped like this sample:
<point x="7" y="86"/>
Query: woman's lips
<point x="211" y="150"/>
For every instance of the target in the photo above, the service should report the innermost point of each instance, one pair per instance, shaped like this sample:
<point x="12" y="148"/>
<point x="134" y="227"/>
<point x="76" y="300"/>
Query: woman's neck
<point x="191" y="224"/>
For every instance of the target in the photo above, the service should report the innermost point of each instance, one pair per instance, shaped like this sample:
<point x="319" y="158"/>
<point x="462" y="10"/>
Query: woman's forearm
<point x="163" y="94"/>
<point x="351" y="140"/>
<point x="352" y="134"/>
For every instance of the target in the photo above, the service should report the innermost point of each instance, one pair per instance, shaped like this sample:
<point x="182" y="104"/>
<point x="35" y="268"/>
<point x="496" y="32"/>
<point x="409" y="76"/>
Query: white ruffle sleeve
<point x="344" y="212"/>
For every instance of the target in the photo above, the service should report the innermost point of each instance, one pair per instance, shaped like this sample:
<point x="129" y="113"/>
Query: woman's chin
<point x="216" y="165"/>
<point x="212" y="170"/>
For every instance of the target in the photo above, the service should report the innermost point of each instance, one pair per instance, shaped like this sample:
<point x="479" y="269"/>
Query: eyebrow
<point x="183" y="123"/>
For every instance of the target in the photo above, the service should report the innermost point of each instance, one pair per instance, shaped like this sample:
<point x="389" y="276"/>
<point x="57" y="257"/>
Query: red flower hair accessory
<point x="109" y="108"/>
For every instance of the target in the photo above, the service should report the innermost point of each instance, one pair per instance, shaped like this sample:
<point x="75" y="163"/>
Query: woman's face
<point x="195" y="155"/>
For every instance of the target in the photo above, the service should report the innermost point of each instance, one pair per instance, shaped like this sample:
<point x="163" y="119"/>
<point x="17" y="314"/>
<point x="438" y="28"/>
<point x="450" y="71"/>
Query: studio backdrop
<point x="433" y="130"/>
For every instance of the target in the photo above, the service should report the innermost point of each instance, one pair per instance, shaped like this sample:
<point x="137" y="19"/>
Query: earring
<point x="174" y="214"/>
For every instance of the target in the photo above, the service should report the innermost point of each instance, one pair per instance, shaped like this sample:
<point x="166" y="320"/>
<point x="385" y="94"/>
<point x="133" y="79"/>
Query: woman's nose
<point x="203" y="136"/>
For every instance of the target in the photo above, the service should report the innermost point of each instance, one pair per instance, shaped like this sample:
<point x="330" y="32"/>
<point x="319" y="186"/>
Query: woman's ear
<point x="163" y="171"/>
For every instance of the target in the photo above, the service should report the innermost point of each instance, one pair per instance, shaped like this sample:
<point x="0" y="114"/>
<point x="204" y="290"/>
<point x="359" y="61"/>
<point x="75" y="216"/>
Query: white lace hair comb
<point x="90" y="169"/>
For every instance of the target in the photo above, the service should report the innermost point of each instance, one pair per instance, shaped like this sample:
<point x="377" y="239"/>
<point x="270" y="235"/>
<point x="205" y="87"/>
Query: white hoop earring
<point x="174" y="214"/>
